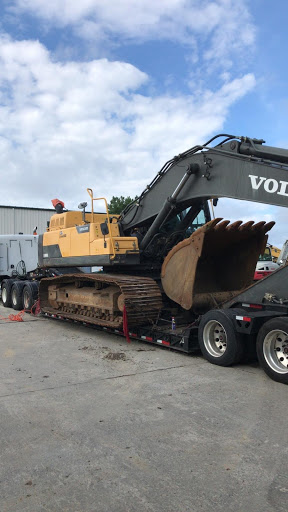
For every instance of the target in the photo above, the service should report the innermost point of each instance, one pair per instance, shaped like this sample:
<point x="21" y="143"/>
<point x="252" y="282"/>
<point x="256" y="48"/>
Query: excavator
<point x="164" y="257"/>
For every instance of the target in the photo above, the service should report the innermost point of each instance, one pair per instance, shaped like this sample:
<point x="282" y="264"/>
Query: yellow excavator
<point x="164" y="253"/>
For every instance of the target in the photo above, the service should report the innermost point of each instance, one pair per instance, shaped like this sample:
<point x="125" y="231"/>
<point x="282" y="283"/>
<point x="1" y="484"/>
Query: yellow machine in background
<point x="275" y="252"/>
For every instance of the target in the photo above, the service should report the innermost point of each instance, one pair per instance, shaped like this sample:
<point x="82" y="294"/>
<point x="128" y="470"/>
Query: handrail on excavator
<point x="90" y="192"/>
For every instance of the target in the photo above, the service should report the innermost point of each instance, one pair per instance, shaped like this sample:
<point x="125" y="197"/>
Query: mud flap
<point x="214" y="263"/>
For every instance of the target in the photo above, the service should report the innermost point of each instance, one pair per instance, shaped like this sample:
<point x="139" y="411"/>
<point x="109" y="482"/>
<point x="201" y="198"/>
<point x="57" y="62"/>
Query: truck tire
<point x="17" y="295"/>
<point x="6" y="292"/>
<point x="30" y="293"/>
<point x="272" y="349"/>
<point x="219" y="342"/>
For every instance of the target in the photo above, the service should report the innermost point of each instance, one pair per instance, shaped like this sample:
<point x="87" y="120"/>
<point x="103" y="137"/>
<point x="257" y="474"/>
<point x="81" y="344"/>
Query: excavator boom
<point x="240" y="168"/>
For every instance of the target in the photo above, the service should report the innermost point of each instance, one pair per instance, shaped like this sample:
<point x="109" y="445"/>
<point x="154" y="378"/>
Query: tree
<point x="117" y="204"/>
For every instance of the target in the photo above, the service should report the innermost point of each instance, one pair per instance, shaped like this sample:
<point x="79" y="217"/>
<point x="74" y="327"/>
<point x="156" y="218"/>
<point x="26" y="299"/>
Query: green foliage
<point x="117" y="204"/>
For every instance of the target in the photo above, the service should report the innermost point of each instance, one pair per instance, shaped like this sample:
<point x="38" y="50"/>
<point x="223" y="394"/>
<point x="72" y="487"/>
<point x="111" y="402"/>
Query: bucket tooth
<point x="234" y="226"/>
<point x="259" y="226"/>
<point x="222" y="225"/>
<point x="211" y="224"/>
<point x="269" y="226"/>
<point x="246" y="226"/>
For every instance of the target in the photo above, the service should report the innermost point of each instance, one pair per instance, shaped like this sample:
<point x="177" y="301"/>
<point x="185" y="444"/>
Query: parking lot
<point x="92" y="423"/>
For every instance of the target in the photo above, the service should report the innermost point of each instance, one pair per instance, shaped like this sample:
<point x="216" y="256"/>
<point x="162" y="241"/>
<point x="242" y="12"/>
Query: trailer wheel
<point x="17" y="295"/>
<point x="6" y="292"/>
<point x="30" y="293"/>
<point x="272" y="349"/>
<point x="219" y="342"/>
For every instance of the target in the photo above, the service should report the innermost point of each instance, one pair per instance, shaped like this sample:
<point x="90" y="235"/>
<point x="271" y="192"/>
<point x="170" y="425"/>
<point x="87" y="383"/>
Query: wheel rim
<point x="215" y="338"/>
<point x="26" y="300"/>
<point x="275" y="351"/>
<point x="4" y="295"/>
<point x="14" y="297"/>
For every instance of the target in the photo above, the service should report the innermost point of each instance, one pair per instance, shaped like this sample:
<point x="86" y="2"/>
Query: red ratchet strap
<point x="125" y="325"/>
<point x="14" y="318"/>
<point x="35" y="310"/>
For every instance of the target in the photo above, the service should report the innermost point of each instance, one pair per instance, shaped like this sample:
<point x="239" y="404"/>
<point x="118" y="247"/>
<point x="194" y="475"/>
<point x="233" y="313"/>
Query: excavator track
<point x="102" y="299"/>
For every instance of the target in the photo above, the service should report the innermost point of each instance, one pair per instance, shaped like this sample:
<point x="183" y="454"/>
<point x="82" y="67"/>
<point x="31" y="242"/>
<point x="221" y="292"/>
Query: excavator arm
<point x="238" y="168"/>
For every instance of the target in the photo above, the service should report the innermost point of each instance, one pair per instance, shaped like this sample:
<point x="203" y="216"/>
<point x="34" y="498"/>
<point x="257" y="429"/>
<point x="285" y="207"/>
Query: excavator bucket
<point x="214" y="264"/>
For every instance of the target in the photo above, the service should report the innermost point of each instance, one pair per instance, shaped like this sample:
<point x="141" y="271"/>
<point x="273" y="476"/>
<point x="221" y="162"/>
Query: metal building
<point x="19" y="219"/>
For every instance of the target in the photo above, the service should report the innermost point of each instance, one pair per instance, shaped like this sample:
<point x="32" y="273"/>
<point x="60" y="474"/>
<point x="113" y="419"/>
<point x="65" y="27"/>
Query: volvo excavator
<point x="154" y="259"/>
<point x="166" y="263"/>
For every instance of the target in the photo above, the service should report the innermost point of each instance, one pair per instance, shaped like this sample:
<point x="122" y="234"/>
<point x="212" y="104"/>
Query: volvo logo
<point x="270" y="185"/>
<point x="83" y="229"/>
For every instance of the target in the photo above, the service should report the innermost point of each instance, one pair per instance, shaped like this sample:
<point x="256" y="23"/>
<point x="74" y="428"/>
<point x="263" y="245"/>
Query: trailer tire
<point x="219" y="342"/>
<point x="17" y="295"/>
<point x="272" y="349"/>
<point x="30" y="293"/>
<point x="6" y="292"/>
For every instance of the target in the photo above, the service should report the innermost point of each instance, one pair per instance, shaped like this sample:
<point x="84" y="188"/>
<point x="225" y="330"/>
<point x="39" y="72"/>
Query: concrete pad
<point x="91" y="423"/>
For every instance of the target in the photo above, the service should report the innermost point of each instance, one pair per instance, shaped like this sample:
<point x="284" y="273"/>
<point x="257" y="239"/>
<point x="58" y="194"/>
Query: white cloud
<point x="224" y="26"/>
<point x="65" y="127"/>
<point x="68" y="126"/>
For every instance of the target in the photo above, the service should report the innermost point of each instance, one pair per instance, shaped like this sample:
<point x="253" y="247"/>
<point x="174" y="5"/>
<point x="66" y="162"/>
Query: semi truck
<point x="172" y="275"/>
<point x="18" y="264"/>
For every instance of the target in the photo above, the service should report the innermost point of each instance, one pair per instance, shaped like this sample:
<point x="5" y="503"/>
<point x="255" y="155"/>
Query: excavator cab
<point x="178" y="226"/>
<point x="185" y="223"/>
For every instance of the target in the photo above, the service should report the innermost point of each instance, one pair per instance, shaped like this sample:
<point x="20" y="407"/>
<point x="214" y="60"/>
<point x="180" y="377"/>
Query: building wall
<point x="15" y="220"/>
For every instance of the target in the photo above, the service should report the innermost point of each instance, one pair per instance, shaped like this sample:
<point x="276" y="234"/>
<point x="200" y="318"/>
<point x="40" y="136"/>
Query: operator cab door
<point x="186" y="222"/>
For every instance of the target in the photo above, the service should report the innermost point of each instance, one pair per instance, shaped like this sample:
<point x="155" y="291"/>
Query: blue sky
<point x="101" y="93"/>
